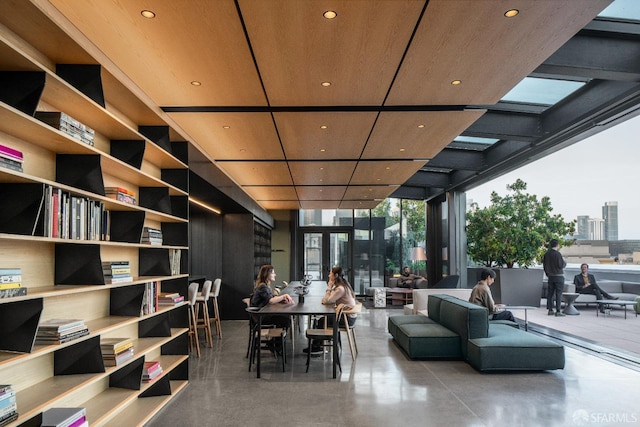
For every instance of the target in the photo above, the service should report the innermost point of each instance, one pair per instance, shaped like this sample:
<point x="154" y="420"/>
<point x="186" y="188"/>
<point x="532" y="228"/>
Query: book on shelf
<point x="64" y="417"/>
<point x="11" y="164"/>
<point x="15" y="292"/>
<point x="8" y="405"/>
<point x="120" y="194"/>
<point x="4" y="388"/>
<point x="174" y="261"/>
<point x="172" y="298"/>
<point x="115" y="345"/>
<point x="60" y="325"/>
<point x="70" y="217"/>
<point x="61" y="338"/>
<point x="116" y="272"/>
<point x="150" y="298"/>
<point x="151" y="370"/>
<point x="10" y="285"/>
<point x="11" y="153"/>
<point x="67" y="124"/>
<point x="152" y="236"/>
<point x="118" y="359"/>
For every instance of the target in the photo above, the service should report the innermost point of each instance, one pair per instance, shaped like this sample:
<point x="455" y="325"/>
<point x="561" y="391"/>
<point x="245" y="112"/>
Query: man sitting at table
<point x="586" y="284"/>
<point x="481" y="295"/>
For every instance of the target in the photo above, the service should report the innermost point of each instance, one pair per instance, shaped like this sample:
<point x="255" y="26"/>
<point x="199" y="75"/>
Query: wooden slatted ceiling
<point x="377" y="54"/>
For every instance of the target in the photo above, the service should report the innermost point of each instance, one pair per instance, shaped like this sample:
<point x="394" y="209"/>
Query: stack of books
<point x="120" y="194"/>
<point x="65" y="417"/>
<point x="10" y="158"/>
<point x="68" y="125"/>
<point x="11" y="283"/>
<point x="151" y="370"/>
<point x="169" y="298"/>
<point x="59" y="331"/>
<point x="116" y="272"/>
<point x="151" y="236"/>
<point x="116" y="351"/>
<point x="8" y="404"/>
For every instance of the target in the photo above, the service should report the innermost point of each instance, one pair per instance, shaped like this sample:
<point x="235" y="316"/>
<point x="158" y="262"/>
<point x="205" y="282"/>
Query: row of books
<point x="65" y="417"/>
<point x="8" y="404"/>
<point x="116" y="272"/>
<point x="174" y="261"/>
<point x="151" y="236"/>
<point x="151" y="370"/>
<point x="150" y="298"/>
<point x="11" y="158"/>
<point x="59" y="331"/>
<point x="71" y="217"/>
<point x="67" y="124"/>
<point x="121" y="194"/>
<point x="116" y="351"/>
<point x="11" y="283"/>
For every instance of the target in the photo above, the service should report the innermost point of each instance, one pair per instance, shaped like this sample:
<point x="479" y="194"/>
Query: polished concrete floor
<point x="384" y="388"/>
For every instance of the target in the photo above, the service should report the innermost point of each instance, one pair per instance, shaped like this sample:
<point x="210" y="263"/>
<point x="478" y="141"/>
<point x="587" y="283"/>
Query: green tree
<point x="514" y="229"/>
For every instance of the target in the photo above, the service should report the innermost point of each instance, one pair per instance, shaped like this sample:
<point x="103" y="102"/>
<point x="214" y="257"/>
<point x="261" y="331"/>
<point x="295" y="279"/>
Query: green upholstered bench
<point x="459" y="329"/>
<point x="506" y="348"/>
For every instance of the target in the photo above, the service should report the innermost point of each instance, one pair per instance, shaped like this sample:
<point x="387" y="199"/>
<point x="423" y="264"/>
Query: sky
<point x="579" y="179"/>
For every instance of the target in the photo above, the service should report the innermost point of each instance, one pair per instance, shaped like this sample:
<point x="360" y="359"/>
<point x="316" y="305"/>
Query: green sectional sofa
<point x="457" y="329"/>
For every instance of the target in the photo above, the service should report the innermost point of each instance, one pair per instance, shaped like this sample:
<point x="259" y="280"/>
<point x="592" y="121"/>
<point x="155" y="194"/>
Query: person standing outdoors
<point x="554" y="264"/>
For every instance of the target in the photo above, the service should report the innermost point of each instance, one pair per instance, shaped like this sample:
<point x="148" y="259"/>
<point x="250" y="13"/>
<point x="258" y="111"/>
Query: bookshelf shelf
<point x="132" y="147"/>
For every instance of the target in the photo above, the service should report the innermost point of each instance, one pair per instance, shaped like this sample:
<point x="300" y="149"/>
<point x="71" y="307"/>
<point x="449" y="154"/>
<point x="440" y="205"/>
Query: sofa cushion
<point x="631" y="288"/>
<point x="506" y="348"/>
<point x="464" y="318"/>
<point x="428" y="340"/>
<point x="395" y="321"/>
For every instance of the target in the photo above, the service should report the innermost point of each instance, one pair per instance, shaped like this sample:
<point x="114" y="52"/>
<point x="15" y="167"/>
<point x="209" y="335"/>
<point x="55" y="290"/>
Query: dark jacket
<point x="553" y="263"/>
<point x="578" y="280"/>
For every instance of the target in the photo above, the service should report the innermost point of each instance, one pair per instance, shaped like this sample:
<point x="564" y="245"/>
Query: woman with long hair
<point x="339" y="291"/>
<point x="263" y="295"/>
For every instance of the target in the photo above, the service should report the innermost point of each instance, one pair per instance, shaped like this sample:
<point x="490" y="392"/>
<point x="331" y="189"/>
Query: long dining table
<point x="312" y="305"/>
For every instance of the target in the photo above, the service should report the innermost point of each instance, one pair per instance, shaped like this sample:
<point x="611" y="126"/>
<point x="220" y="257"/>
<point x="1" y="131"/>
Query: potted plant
<point x="513" y="231"/>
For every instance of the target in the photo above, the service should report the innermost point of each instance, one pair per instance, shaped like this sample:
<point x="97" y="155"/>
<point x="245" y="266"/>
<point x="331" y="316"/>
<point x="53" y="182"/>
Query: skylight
<point x="533" y="90"/>
<point x="472" y="143"/>
<point x="622" y="9"/>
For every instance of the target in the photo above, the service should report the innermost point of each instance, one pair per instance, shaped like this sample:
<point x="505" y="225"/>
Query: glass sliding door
<point x="323" y="249"/>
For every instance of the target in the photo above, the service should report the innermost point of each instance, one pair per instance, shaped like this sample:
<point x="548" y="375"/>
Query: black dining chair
<point x="325" y="337"/>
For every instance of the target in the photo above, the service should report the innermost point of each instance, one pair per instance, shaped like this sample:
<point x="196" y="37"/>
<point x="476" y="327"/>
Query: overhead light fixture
<point x="330" y="14"/>
<point x="323" y="127"/>
<point x="511" y="13"/>
<point x="420" y="126"/>
<point x="226" y="127"/>
<point x="322" y="150"/>
<point x="402" y="150"/>
<point x="204" y="205"/>
<point x="148" y="14"/>
<point x="196" y="83"/>
<point x="456" y="82"/>
<point x="243" y="150"/>
<point x="325" y="84"/>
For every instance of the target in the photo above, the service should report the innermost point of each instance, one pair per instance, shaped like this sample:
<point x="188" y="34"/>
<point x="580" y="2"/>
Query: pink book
<point x="11" y="152"/>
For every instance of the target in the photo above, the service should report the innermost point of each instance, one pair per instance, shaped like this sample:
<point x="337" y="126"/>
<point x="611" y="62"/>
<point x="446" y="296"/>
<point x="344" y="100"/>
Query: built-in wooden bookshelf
<point x="132" y="148"/>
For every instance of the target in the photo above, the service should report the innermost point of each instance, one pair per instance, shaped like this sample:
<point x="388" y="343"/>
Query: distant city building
<point x="582" y="227"/>
<point x="610" y="217"/>
<point x="596" y="229"/>
<point x="589" y="251"/>
<point x="620" y="247"/>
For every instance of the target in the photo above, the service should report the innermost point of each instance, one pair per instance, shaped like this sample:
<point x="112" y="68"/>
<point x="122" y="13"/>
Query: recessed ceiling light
<point x="148" y="14"/>
<point x="420" y="126"/>
<point x="388" y="168"/>
<point x="456" y="82"/>
<point x="402" y="150"/>
<point x="325" y="84"/>
<point x="322" y="150"/>
<point x="226" y="127"/>
<point x="196" y="83"/>
<point x="321" y="168"/>
<point x="243" y="150"/>
<point x="330" y="14"/>
<point x="321" y="180"/>
<point x="511" y="13"/>
<point x="323" y="127"/>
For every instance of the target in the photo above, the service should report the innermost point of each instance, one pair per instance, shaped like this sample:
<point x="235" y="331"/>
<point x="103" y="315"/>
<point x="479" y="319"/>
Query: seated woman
<point x="338" y="292"/>
<point x="263" y="295"/>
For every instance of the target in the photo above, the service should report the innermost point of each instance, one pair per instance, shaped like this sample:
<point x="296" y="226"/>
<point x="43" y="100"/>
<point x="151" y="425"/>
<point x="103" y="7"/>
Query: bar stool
<point x="204" y="322"/>
<point x="192" y="294"/>
<point x="215" y="291"/>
